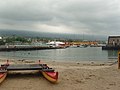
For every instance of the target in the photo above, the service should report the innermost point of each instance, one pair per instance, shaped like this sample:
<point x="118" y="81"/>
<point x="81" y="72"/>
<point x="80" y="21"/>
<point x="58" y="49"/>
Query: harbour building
<point x="113" y="43"/>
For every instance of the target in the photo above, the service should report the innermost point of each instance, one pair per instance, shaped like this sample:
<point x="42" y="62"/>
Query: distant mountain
<point x="50" y="35"/>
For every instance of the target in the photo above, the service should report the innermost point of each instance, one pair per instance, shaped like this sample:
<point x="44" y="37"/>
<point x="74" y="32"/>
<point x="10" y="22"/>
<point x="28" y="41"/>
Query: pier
<point x="25" y="48"/>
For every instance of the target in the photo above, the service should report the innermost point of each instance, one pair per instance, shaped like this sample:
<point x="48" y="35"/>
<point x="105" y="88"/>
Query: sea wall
<point x="27" y="48"/>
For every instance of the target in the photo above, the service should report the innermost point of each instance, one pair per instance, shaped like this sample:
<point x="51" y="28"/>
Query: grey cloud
<point x="80" y="16"/>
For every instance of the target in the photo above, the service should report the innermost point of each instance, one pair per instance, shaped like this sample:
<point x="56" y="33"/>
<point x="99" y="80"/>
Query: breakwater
<point x="25" y="48"/>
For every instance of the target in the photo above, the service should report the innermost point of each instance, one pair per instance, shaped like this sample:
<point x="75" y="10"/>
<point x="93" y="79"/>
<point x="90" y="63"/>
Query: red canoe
<point x="3" y="74"/>
<point x="51" y="76"/>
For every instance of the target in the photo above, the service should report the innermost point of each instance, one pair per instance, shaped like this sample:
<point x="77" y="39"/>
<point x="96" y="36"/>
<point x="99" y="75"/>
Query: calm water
<point x="68" y="54"/>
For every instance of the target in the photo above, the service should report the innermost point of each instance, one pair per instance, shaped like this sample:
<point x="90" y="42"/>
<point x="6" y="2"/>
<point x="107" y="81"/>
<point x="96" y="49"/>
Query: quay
<point x="25" y="48"/>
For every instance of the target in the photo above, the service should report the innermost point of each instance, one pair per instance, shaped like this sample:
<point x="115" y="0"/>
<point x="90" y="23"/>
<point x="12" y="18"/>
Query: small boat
<point x="3" y="74"/>
<point x="47" y="72"/>
<point x="74" y="46"/>
<point x="51" y="76"/>
<point x="83" y="46"/>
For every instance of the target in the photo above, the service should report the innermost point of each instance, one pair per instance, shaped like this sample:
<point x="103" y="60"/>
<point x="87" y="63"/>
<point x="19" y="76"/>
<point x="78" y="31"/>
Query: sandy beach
<point x="72" y="76"/>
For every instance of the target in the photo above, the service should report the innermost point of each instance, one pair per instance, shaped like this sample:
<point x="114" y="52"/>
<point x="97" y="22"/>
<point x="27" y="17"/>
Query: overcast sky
<point x="94" y="17"/>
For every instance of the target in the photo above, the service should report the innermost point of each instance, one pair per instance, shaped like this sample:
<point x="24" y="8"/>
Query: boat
<point x="51" y="76"/>
<point x="83" y="46"/>
<point x="3" y="74"/>
<point x="46" y="71"/>
<point x="74" y="46"/>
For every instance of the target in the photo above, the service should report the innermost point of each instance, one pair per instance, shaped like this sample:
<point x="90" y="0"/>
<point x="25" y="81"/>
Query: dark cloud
<point x="98" y="17"/>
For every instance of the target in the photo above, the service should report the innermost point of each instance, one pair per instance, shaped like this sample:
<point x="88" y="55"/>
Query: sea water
<point x="68" y="54"/>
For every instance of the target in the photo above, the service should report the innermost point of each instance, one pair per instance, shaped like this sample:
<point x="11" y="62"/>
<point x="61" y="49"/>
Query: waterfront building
<point x="56" y="44"/>
<point x="89" y="43"/>
<point x="114" y="41"/>
<point x="0" y="37"/>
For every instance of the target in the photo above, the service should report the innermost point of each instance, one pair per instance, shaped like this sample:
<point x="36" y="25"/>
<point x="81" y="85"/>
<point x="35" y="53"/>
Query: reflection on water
<point x="68" y="54"/>
<point x="112" y="54"/>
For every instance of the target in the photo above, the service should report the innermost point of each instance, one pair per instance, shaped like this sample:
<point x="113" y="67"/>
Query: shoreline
<point x="67" y="61"/>
<point x="72" y="76"/>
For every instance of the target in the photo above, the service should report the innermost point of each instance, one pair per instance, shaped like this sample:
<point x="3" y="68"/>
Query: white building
<point x="56" y="44"/>
<point x="114" y="40"/>
<point x="0" y="37"/>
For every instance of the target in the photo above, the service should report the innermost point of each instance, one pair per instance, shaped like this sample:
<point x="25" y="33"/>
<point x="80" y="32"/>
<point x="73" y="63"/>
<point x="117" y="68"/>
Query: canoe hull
<point x="2" y="77"/>
<point x="51" y="76"/>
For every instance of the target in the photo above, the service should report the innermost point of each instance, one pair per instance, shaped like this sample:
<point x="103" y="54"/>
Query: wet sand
<point x="72" y="76"/>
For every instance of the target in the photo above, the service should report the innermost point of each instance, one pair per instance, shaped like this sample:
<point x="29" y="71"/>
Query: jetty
<point x="25" y="48"/>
